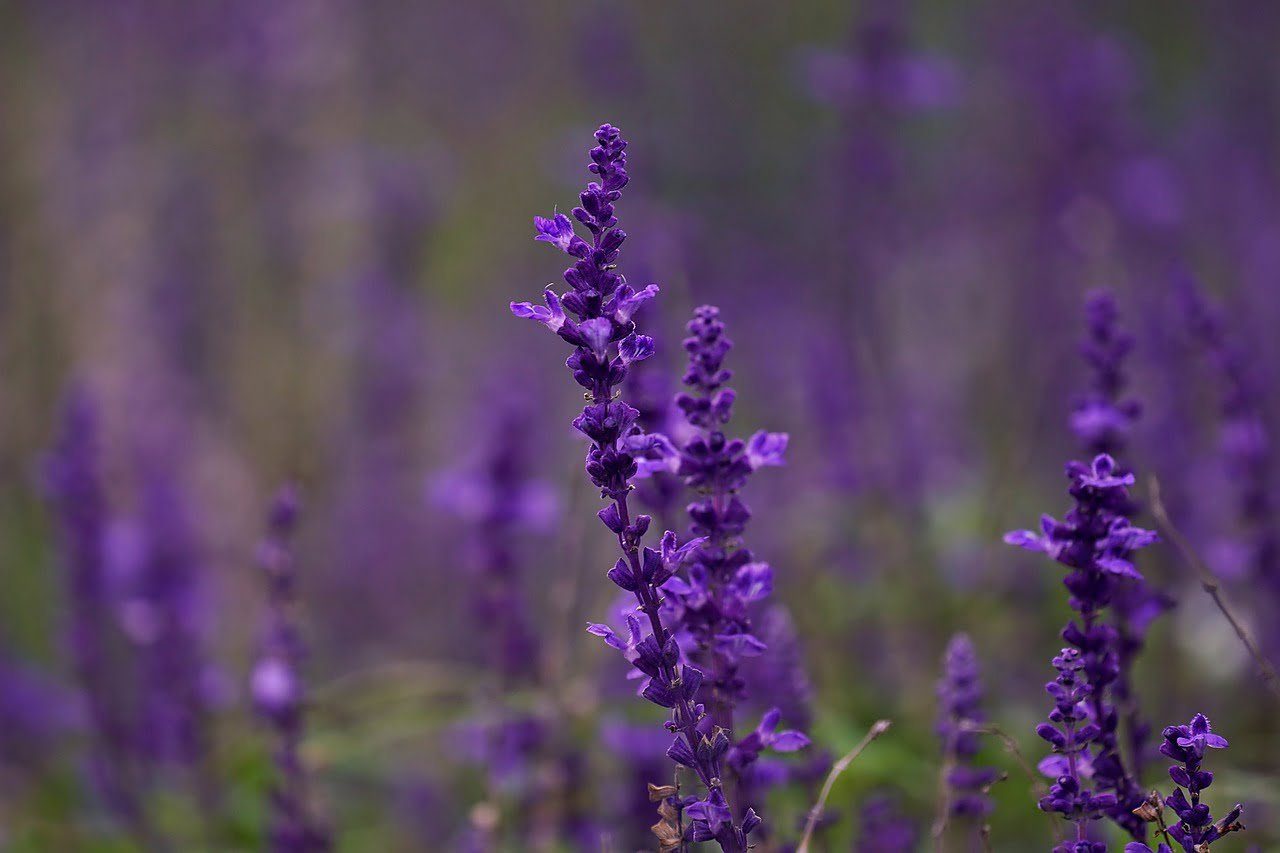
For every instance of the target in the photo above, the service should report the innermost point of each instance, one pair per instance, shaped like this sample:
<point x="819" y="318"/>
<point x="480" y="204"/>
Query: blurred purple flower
<point x="884" y="829"/>
<point x="498" y="502"/>
<point x="277" y="690"/>
<point x="72" y="482"/>
<point x="1245" y="446"/>
<point x="960" y="707"/>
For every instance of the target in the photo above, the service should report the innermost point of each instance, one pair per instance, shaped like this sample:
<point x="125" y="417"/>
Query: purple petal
<point x="789" y="741"/>
<point x="767" y="448"/>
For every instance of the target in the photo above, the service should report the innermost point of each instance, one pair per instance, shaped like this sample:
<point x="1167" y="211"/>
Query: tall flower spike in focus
<point x="960" y="708"/>
<point x="594" y="316"/>
<point x="1095" y="542"/>
<point x="1103" y="420"/>
<point x="277" y="690"/>
<point x="1195" y="829"/>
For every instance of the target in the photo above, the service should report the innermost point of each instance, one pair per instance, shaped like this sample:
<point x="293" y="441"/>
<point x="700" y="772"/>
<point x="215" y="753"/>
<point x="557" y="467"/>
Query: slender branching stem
<point x="815" y="814"/>
<point x="1213" y="586"/>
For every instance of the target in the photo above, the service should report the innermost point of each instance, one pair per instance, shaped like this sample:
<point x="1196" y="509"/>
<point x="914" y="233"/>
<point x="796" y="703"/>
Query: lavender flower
<point x="1245" y="447"/>
<point x="1070" y="734"/>
<point x="1196" y="829"/>
<point x="723" y="578"/>
<point x="1104" y="417"/>
<point x="1103" y="420"/>
<point x="72" y="482"/>
<point x="960" y="701"/>
<point x="162" y="618"/>
<point x="277" y="689"/>
<point x="605" y="343"/>
<point x="884" y="828"/>
<point x="724" y="581"/>
<point x="499" y="502"/>
<point x="1096" y="542"/>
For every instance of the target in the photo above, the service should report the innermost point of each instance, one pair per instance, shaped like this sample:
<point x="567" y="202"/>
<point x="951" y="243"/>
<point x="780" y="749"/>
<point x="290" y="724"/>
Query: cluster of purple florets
<point x="692" y="624"/>
<point x="603" y="335"/>
<point x="1096" y="542"/>
<point x="713" y="602"/>
<point x="1195" y="829"/>
<point x="276" y="686"/>
<point x="960" y="713"/>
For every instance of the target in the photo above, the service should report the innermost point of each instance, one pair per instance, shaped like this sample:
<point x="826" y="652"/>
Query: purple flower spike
<point x="1246" y="452"/>
<point x="277" y="691"/>
<point x="1104" y="417"/>
<point x="1195" y="829"/>
<point x="713" y="602"/>
<point x="602" y="332"/>
<point x="74" y="488"/>
<point x="1103" y="420"/>
<point x="1095" y="542"/>
<point x="960" y="707"/>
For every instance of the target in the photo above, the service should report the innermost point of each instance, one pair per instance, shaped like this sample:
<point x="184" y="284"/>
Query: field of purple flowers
<point x="912" y="484"/>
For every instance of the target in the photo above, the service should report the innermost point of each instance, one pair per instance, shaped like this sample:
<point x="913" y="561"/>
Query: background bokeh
<point x="276" y="241"/>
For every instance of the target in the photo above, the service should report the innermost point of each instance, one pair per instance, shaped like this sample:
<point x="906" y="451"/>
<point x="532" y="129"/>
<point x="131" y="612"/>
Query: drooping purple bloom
<point x="1195" y="829"/>
<point x="605" y="343"/>
<point x="960" y="708"/>
<point x="277" y="689"/>
<point x="1095" y="542"/>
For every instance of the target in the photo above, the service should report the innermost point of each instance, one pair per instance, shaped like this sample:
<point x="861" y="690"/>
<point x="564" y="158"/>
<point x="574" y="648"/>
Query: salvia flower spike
<point x="711" y="604"/>
<point x="594" y="316"/>
<point x="74" y="487"/>
<point x="1195" y="829"/>
<point x="277" y="691"/>
<point x="1095" y="541"/>
<point x="960" y="709"/>
<point x="1103" y="420"/>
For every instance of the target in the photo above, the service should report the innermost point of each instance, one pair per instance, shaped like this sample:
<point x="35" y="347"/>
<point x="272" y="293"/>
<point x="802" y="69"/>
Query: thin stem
<point x="1213" y="586"/>
<point x="943" y="814"/>
<point x="815" y="814"/>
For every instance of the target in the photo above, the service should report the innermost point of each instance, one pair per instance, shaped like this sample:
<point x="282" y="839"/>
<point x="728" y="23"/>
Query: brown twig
<point x="1213" y="586"/>
<point x="880" y="727"/>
